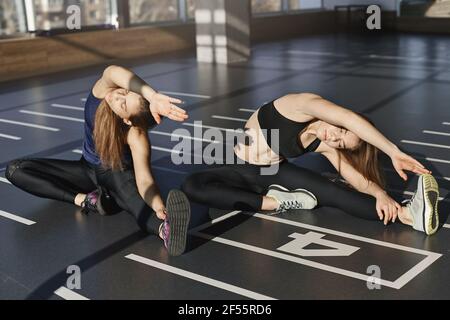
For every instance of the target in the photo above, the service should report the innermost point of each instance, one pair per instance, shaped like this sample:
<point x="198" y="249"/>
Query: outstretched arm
<point x="160" y="105"/>
<point x="386" y="207"/>
<point x="316" y="107"/>
<point x="145" y="182"/>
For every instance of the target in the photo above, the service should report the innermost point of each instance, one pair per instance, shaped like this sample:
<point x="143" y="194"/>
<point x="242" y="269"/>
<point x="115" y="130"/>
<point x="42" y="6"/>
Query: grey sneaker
<point x="295" y="199"/>
<point x="176" y="225"/>
<point x="423" y="206"/>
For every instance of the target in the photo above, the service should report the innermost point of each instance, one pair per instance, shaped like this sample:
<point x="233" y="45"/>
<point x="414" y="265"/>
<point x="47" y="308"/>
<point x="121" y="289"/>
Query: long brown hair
<point x="110" y="133"/>
<point x="365" y="159"/>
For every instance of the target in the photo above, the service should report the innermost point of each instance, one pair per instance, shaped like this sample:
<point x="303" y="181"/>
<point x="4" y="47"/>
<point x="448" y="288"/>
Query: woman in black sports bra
<point x="293" y="125"/>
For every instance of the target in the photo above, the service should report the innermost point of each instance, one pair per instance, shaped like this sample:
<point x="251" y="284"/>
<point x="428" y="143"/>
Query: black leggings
<point x="63" y="180"/>
<point x="241" y="187"/>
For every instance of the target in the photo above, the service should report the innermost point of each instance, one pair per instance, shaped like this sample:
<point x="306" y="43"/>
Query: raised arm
<point x="114" y="77"/>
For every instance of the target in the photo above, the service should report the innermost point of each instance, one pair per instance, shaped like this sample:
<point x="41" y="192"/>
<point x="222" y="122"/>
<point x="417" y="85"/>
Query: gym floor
<point x="401" y="81"/>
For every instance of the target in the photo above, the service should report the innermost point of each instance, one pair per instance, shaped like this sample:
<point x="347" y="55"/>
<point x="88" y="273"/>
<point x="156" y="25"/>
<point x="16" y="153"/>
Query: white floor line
<point x="31" y="125"/>
<point x="7" y="136"/>
<point x="83" y="99"/>
<point x="446" y="123"/>
<point x="4" y="180"/>
<point x="426" y="144"/>
<point x="42" y="114"/>
<point x="186" y="94"/>
<point x="410" y="193"/>
<point x="77" y="151"/>
<point x="68" y="294"/>
<point x="211" y="127"/>
<point x="199" y="278"/>
<point x="317" y="53"/>
<point x="437" y="133"/>
<point x="183" y="136"/>
<point x="63" y="106"/>
<point x="434" y="160"/>
<point x="16" y="218"/>
<point x="247" y="110"/>
<point x="436" y="177"/>
<point x="229" y="118"/>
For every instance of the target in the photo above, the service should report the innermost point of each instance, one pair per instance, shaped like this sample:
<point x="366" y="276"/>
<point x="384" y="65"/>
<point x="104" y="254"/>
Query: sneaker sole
<point x="179" y="213"/>
<point x="281" y="188"/>
<point x="431" y="196"/>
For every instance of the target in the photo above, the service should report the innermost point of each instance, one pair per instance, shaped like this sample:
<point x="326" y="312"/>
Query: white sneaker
<point x="296" y="199"/>
<point x="423" y="206"/>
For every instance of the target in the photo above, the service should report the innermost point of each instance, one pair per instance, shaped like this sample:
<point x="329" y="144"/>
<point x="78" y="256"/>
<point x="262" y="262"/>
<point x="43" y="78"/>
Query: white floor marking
<point x="77" y="151"/>
<point x="446" y="123"/>
<point x="410" y="193"/>
<point x="42" y="114"/>
<point x="211" y="127"/>
<point x="247" y="110"/>
<point x="186" y="94"/>
<point x="437" y="133"/>
<point x="63" y="106"/>
<point x="183" y="136"/>
<point x="7" y="136"/>
<point x="31" y="125"/>
<point x="68" y="294"/>
<point x="229" y="118"/>
<point x="318" y="53"/>
<point x="426" y="144"/>
<point x="4" y="180"/>
<point x="434" y="160"/>
<point x="199" y="278"/>
<point x="16" y="218"/>
<point x="397" y="284"/>
<point x="83" y="99"/>
<point x="436" y="177"/>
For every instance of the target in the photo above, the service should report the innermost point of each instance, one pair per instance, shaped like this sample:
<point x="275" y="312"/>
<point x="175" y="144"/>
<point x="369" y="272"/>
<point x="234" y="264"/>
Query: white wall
<point x="388" y="5"/>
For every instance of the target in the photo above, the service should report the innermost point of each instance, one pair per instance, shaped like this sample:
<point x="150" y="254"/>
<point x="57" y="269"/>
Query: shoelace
<point x="290" y="204"/>
<point x="408" y="202"/>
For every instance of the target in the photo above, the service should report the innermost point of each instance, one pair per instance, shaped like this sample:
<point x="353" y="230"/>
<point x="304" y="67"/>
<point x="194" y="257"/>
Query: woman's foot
<point x="296" y="199"/>
<point x="175" y="227"/>
<point x="423" y="206"/>
<point x="97" y="201"/>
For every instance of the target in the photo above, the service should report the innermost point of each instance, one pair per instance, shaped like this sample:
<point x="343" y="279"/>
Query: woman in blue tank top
<point x="114" y="170"/>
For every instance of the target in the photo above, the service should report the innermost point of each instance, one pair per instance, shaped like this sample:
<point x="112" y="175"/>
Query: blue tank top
<point x="89" y="152"/>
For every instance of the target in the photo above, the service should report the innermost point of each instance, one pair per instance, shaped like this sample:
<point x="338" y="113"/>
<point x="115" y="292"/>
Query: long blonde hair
<point x="365" y="159"/>
<point x="110" y="133"/>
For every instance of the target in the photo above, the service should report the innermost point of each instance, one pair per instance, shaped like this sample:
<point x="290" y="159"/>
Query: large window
<point x="266" y="6"/>
<point x="425" y="8"/>
<point x="51" y="14"/>
<point x="12" y="20"/>
<point x="305" y="4"/>
<point x="147" y="11"/>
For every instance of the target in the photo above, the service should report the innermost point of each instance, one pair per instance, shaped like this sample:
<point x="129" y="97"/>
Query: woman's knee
<point x="13" y="167"/>
<point x="193" y="186"/>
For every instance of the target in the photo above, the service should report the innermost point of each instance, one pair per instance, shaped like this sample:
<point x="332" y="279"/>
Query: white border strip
<point x="16" y="218"/>
<point x="31" y="125"/>
<point x="63" y="106"/>
<point x="446" y="123"/>
<point x="68" y="294"/>
<point x="229" y="118"/>
<point x="42" y="114"/>
<point x="426" y="144"/>
<point x="7" y="136"/>
<point x="199" y="278"/>
<point x="397" y="284"/>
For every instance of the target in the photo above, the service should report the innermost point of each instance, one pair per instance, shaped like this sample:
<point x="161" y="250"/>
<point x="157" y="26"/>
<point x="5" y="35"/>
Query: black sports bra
<point x="289" y="145"/>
